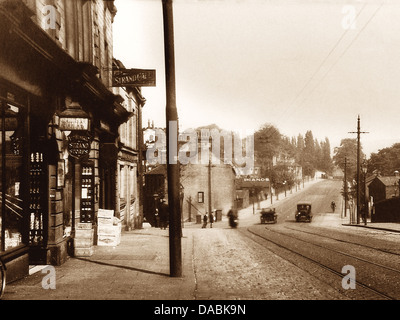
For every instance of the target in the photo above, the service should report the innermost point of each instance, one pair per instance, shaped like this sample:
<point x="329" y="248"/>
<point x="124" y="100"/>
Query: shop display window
<point x="11" y="174"/>
<point x="36" y="205"/>
<point x="87" y="193"/>
<point x="68" y="198"/>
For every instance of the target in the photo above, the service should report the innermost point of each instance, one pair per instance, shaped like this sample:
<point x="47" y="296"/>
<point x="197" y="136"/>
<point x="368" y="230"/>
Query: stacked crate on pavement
<point x="83" y="241"/>
<point x="109" y="228"/>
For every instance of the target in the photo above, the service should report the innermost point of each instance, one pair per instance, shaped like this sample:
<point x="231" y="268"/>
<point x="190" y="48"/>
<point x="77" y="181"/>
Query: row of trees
<point x="304" y="151"/>
<point x="385" y="162"/>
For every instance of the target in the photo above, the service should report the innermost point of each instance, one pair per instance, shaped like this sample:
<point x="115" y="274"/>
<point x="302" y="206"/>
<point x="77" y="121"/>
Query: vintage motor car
<point x="268" y="215"/>
<point x="303" y="211"/>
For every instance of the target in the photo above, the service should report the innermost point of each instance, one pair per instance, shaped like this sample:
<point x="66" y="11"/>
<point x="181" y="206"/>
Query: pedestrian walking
<point x="157" y="218"/>
<point x="211" y="219"/>
<point x="164" y="214"/>
<point x="232" y="218"/>
<point x="205" y="218"/>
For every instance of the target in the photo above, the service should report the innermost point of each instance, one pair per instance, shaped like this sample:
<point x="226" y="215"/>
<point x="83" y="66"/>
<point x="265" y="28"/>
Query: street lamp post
<point x="284" y="187"/>
<point x="364" y="169"/>
<point x="253" y="191"/>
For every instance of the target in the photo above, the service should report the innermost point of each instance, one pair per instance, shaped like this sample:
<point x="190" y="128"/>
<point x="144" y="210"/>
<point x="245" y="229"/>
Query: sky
<point x="299" y="65"/>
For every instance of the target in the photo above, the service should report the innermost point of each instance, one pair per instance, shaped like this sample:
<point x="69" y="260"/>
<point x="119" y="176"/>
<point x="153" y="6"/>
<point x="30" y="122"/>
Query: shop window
<point x="68" y="197"/>
<point x="87" y="193"/>
<point x="132" y="178"/>
<point x="11" y="182"/>
<point x="37" y="200"/>
<point x="122" y="184"/>
<point x="200" y="197"/>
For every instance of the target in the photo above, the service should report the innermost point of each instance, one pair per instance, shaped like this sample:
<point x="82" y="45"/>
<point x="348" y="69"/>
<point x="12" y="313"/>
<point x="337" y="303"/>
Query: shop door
<point x="107" y="187"/>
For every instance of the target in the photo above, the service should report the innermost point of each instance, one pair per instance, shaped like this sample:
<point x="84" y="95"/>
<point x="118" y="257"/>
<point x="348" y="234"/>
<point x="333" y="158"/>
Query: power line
<point x="334" y="64"/>
<point x="321" y="64"/>
<point x="324" y="60"/>
<point x="343" y="53"/>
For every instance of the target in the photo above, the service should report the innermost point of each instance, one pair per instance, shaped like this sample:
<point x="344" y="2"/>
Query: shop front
<point x="13" y="187"/>
<point x="50" y="174"/>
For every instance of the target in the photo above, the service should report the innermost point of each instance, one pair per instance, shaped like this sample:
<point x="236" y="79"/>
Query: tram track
<point x="345" y="241"/>
<point x="339" y="252"/>
<point x="369" y="292"/>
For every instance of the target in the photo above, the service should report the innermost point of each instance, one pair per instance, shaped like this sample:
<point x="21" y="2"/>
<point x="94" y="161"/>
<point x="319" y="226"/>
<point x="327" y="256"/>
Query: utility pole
<point x="345" y="189"/>
<point x="190" y="208"/>
<point x="358" y="167"/>
<point x="175" y="227"/>
<point x="209" y="185"/>
<point x="140" y="163"/>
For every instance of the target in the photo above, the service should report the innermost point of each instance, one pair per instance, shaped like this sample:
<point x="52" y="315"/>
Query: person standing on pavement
<point x="205" y="218"/>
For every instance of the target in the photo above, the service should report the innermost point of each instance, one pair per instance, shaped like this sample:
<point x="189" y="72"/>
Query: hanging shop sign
<point x="134" y="77"/>
<point x="79" y="145"/>
<point x="71" y="124"/>
<point x="74" y="118"/>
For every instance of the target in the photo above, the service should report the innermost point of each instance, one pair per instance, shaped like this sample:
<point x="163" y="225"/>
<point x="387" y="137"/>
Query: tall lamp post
<point x="364" y="169"/>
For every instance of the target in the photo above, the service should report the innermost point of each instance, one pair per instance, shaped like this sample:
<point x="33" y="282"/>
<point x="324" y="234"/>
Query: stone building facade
<point x="56" y="59"/>
<point x="130" y="170"/>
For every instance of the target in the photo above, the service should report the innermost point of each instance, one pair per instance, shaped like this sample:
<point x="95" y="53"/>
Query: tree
<point x="386" y="161"/>
<point x="308" y="155"/>
<point x="282" y="177"/>
<point x="267" y="142"/>
<point x="348" y="151"/>
<point x="300" y="149"/>
<point x="325" y="162"/>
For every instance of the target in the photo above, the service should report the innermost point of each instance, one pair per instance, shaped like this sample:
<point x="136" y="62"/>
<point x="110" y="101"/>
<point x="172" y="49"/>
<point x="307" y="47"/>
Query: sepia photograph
<point x="199" y="158"/>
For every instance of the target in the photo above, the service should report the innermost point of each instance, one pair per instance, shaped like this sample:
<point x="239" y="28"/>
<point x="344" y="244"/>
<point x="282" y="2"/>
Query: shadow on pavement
<point x="123" y="267"/>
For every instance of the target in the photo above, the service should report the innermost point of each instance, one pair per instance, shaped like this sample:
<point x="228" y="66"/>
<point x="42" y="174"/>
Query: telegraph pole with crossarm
<point x="358" y="166"/>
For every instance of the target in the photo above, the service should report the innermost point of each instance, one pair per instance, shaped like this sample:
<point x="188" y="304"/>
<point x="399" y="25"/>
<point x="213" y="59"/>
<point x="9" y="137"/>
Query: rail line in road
<point x="338" y="251"/>
<point x="345" y="241"/>
<point x="368" y="291"/>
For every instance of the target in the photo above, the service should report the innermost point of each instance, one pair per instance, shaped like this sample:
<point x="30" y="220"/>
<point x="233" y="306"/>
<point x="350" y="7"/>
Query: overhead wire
<point x="344" y="52"/>
<point x="325" y="59"/>
<point x="335" y="63"/>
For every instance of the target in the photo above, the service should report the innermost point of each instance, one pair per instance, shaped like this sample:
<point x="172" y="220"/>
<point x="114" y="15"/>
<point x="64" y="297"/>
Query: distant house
<point x="251" y="188"/>
<point x="337" y="173"/>
<point x="382" y="188"/>
<point x="151" y="136"/>
<point x="207" y="188"/>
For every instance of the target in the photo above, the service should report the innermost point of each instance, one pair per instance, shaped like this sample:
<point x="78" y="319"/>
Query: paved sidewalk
<point x="385" y="226"/>
<point x="137" y="269"/>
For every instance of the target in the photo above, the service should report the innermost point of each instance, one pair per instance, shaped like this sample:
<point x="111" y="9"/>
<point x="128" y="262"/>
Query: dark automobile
<point x="303" y="211"/>
<point x="268" y="215"/>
